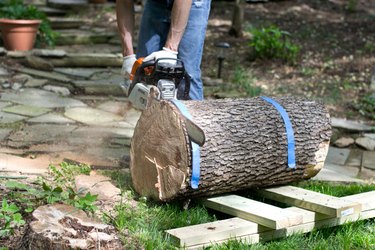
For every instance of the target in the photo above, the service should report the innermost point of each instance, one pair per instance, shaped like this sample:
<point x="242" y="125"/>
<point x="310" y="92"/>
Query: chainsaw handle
<point x="186" y="95"/>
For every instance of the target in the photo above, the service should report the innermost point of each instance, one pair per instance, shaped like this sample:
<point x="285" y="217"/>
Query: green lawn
<point x="143" y="224"/>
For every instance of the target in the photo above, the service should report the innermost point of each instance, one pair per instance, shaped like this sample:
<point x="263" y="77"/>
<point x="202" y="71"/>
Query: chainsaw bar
<point x="195" y="133"/>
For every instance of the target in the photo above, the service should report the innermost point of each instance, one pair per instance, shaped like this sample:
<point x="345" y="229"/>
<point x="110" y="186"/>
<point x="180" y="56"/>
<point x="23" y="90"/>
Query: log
<point x="246" y="146"/>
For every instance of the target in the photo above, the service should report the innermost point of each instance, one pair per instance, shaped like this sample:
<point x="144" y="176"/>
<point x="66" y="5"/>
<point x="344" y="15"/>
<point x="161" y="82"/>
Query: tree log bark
<point x="246" y="146"/>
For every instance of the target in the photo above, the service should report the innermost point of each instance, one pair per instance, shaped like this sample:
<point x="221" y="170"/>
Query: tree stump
<point x="246" y="146"/>
<point x="60" y="227"/>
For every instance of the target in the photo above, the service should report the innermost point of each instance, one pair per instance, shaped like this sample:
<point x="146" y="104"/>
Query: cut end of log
<point x="320" y="157"/>
<point x="161" y="143"/>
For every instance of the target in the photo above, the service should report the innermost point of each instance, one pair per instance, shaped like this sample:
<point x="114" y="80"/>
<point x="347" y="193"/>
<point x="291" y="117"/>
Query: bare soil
<point x="337" y="54"/>
<point x="336" y="40"/>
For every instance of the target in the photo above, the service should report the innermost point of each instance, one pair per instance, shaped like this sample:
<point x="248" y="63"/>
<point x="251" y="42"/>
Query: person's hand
<point x="127" y="66"/>
<point x="164" y="53"/>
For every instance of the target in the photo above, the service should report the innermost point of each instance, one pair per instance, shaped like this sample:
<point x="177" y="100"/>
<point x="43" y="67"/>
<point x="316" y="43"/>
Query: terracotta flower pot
<point x="19" y="34"/>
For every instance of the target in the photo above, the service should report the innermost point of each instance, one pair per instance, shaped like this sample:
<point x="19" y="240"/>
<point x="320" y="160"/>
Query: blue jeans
<point x="154" y="30"/>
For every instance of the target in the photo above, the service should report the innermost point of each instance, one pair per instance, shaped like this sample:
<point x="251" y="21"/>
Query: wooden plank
<point x="307" y="215"/>
<point x="255" y="211"/>
<point x="367" y="200"/>
<point x="311" y="200"/>
<point x="310" y="221"/>
<point x="248" y="239"/>
<point x="212" y="232"/>
<point x="308" y="227"/>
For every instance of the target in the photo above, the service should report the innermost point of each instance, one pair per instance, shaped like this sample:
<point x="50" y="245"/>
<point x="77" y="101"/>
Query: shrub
<point x="273" y="43"/>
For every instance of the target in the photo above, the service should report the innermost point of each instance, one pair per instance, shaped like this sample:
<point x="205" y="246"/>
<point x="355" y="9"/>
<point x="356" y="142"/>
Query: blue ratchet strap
<point x="195" y="175"/>
<point x="289" y="131"/>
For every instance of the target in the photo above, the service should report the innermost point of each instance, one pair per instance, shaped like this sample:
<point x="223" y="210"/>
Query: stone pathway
<point x="66" y="104"/>
<point x="41" y="126"/>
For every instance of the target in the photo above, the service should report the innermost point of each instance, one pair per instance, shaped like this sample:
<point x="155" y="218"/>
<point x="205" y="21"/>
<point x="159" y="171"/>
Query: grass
<point x="143" y="222"/>
<point x="357" y="235"/>
<point x="338" y="190"/>
<point x="146" y="221"/>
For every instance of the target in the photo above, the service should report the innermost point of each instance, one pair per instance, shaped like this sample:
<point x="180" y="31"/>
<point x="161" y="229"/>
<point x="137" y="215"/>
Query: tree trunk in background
<point x="237" y="19"/>
<point x="246" y="146"/>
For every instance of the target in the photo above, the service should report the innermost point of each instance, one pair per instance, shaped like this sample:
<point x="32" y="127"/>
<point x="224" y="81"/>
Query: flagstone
<point x="98" y="135"/>
<point x="49" y="52"/>
<point x="366" y="142"/>
<point x="120" y="142"/>
<point x="344" y="142"/>
<point x="345" y="170"/>
<point x="40" y="133"/>
<point x="355" y="158"/>
<point x="102" y="87"/>
<point x="26" y="110"/>
<point x="41" y="98"/>
<point x="83" y="73"/>
<point x="91" y="116"/>
<point x="44" y="74"/>
<point x="350" y="125"/>
<point x="121" y="124"/>
<point x="34" y="82"/>
<point x="99" y="185"/>
<point x="3" y="71"/>
<point x="10" y="118"/>
<point x="337" y="155"/>
<point x="370" y="135"/>
<point x="16" y="53"/>
<point x="20" y="165"/>
<point x="51" y="118"/>
<point x="4" y="104"/>
<point x="368" y="160"/>
<point x="113" y="154"/>
<point x="4" y="132"/>
<point x="118" y="108"/>
<point x="57" y="89"/>
<point x="53" y="148"/>
<point x="132" y="116"/>
<point x="331" y="175"/>
<point x="3" y="51"/>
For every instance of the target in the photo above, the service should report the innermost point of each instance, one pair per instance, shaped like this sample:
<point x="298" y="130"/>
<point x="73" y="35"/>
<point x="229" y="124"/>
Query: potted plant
<point x="20" y="23"/>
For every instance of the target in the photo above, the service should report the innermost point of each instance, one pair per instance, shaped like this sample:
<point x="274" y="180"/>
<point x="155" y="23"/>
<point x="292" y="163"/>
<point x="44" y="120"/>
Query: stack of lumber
<point x="256" y="221"/>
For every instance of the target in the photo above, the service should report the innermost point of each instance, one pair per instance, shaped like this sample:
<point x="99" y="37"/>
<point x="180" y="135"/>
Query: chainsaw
<point x="163" y="76"/>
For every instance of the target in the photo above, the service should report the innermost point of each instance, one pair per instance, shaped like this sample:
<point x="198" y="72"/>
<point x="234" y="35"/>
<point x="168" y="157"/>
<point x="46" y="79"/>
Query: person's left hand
<point x="164" y="53"/>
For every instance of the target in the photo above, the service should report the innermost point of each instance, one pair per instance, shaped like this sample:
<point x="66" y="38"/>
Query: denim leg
<point x="191" y="46"/>
<point x="153" y="33"/>
<point x="154" y="28"/>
